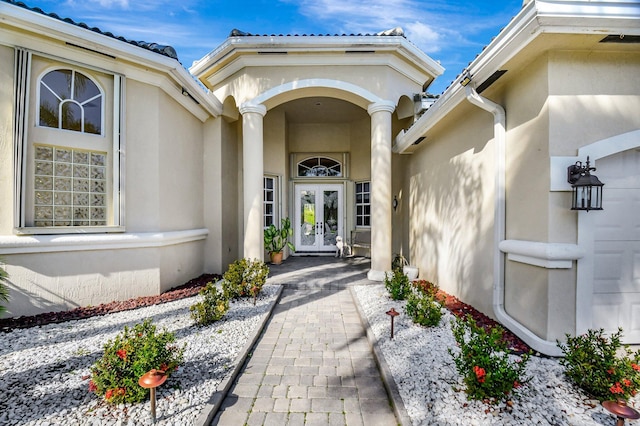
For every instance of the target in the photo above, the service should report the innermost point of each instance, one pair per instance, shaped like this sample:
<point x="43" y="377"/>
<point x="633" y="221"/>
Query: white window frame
<point x="363" y="204"/>
<point x="23" y="75"/>
<point x="74" y="71"/>
<point x="275" y="203"/>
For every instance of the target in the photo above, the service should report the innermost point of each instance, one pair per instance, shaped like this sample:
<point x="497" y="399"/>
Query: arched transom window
<point x="319" y="167"/>
<point x="70" y="100"/>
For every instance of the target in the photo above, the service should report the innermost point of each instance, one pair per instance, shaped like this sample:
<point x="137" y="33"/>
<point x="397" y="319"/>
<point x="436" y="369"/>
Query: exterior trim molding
<point x="387" y="106"/>
<point x="545" y="255"/>
<point x="56" y="243"/>
<point x="253" y="108"/>
<point x="358" y="91"/>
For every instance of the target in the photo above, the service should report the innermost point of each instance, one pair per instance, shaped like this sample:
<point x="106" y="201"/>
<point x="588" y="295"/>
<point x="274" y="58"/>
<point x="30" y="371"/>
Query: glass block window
<point x="269" y="201"/>
<point x="363" y="204"/>
<point x="70" y="100"/>
<point x="319" y="167"/>
<point x="70" y="187"/>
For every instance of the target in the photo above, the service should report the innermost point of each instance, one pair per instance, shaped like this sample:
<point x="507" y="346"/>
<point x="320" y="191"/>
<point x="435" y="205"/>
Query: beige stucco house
<point x="123" y="174"/>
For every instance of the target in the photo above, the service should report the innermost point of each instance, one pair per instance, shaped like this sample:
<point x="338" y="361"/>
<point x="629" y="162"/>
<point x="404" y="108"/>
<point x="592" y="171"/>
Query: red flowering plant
<point x="489" y="372"/>
<point x="602" y="366"/>
<point x="129" y="356"/>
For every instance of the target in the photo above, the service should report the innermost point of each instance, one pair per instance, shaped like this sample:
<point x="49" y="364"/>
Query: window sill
<point x="14" y="244"/>
<point x="69" y="230"/>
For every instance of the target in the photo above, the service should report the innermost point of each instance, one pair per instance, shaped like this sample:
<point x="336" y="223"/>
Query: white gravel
<point x="44" y="370"/>
<point x="433" y="393"/>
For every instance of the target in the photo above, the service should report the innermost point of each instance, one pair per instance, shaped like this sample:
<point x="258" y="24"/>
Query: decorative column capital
<point x="248" y="108"/>
<point x="387" y="106"/>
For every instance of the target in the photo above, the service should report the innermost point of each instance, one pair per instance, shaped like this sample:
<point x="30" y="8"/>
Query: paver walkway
<point x="312" y="364"/>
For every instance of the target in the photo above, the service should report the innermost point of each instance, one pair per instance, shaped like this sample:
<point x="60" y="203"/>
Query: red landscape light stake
<point x="621" y="410"/>
<point x="151" y="380"/>
<point x="392" y="313"/>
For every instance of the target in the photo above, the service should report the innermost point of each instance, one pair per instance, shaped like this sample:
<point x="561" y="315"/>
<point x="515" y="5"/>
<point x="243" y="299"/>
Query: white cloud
<point x="424" y="36"/>
<point x="123" y="4"/>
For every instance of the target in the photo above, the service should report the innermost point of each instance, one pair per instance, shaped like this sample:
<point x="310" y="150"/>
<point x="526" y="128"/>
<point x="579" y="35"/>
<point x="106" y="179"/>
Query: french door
<point x="318" y="218"/>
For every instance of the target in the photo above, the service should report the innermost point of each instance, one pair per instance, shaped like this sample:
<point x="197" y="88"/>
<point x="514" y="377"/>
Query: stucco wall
<point x="593" y="96"/>
<point x="382" y="81"/>
<point x="65" y="280"/>
<point x="180" y="166"/>
<point x="142" y="160"/>
<point x="527" y="190"/>
<point x="163" y="177"/>
<point x="449" y="193"/>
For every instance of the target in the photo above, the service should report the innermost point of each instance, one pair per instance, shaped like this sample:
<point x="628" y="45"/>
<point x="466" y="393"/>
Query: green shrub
<point x="244" y="278"/>
<point x="424" y="309"/>
<point x="601" y="366"/>
<point x="398" y="285"/>
<point x="212" y="308"/>
<point x="129" y="356"/>
<point x="484" y="362"/>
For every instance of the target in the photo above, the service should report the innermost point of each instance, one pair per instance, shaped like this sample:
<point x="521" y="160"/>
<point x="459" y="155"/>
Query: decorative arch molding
<point x="595" y="151"/>
<point x="280" y="94"/>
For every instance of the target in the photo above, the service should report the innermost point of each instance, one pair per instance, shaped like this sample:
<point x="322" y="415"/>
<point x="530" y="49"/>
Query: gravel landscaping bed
<point x="433" y="394"/>
<point x="44" y="370"/>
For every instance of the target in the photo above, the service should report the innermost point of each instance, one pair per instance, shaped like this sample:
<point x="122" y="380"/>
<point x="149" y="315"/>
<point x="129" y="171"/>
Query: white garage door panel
<point x="620" y="217"/>
<point x="616" y="267"/>
<point x="616" y="284"/>
<point x="613" y="310"/>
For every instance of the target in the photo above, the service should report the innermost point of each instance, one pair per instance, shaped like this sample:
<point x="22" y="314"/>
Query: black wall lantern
<point x="587" y="188"/>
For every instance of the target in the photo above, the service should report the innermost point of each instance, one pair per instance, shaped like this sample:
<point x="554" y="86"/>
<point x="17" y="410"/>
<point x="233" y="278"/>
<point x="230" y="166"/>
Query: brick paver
<point x="313" y="364"/>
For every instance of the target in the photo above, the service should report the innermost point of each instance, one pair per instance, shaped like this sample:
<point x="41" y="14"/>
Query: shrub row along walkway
<point x="312" y="364"/>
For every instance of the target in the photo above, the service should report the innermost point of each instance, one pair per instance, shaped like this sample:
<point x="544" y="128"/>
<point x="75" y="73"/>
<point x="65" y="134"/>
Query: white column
<point x="252" y="179"/>
<point x="381" y="196"/>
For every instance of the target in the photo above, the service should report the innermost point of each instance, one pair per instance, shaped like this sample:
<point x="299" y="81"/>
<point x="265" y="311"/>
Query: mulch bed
<point x="189" y="289"/>
<point x="192" y="288"/>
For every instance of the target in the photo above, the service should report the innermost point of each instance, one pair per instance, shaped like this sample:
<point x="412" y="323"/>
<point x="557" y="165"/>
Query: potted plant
<point x="275" y="239"/>
<point x="400" y="262"/>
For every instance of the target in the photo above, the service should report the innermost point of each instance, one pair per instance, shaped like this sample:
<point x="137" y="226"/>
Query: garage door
<point x="616" y="298"/>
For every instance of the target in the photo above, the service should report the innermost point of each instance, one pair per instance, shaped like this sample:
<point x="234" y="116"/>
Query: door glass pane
<point x="308" y="215"/>
<point x="330" y="217"/>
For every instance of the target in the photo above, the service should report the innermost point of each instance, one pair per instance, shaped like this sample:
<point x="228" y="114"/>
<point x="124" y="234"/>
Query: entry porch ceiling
<point x="321" y="110"/>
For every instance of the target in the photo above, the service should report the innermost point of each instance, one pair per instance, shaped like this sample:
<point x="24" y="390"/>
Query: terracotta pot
<point x="276" y="257"/>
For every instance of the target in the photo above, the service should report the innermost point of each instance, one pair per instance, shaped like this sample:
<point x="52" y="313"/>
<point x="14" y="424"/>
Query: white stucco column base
<point x="374" y="275"/>
<point x="381" y="142"/>
<point x="252" y="179"/>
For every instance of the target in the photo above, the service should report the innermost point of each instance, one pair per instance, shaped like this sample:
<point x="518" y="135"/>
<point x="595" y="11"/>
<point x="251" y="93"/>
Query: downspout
<point x="499" y="129"/>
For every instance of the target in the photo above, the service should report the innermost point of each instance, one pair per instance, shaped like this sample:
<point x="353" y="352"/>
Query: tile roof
<point x="153" y="47"/>
<point x="392" y="32"/>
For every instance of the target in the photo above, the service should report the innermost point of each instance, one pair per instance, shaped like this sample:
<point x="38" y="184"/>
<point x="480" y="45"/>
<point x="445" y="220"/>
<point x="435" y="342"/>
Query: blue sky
<point x="452" y="32"/>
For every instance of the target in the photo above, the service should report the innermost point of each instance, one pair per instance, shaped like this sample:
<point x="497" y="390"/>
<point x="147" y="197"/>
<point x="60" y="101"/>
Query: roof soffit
<point x="548" y="18"/>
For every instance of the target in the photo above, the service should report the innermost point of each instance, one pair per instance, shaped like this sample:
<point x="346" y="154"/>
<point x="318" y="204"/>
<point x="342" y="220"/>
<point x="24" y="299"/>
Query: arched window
<point x="319" y="167"/>
<point x="70" y="100"/>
